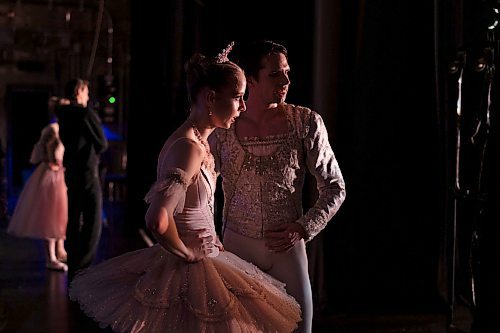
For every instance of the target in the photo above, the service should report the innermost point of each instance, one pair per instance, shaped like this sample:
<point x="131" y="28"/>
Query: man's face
<point x="83" y="96"/>
<point x="273" y="81"/>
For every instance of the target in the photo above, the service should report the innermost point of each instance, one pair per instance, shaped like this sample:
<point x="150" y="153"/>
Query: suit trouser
<point x="84" y="221"/>
<point x="290" y="267"/>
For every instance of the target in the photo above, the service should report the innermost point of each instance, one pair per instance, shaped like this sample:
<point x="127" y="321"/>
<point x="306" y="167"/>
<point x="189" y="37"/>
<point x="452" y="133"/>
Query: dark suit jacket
<point x="81" y="132"/>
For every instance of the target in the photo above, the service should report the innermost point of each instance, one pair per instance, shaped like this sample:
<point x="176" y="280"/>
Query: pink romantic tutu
<point x="42" y="208"/>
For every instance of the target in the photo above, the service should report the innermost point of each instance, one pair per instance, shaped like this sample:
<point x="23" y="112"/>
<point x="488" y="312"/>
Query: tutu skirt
<point x="151" y="290"/>
<point x="42" y="208"/>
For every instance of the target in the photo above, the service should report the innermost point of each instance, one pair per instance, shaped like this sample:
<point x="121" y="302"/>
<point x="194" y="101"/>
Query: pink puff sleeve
<point x="172" y="185"/>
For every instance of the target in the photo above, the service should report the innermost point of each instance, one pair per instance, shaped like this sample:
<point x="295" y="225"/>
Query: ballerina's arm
<point x="186" y="156"/>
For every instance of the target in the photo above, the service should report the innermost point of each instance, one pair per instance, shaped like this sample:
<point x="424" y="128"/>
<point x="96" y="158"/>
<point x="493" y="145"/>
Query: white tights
<point x="54" y="248"/>
<point x="289" y="267"/>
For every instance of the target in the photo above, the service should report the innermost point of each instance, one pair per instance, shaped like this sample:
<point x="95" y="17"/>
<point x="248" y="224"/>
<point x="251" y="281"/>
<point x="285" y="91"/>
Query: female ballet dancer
<point x="187" y="282"/>
<point x="42" y="208"/>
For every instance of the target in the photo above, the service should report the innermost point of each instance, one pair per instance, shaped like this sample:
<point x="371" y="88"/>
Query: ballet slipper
<point x="57" y="266"/>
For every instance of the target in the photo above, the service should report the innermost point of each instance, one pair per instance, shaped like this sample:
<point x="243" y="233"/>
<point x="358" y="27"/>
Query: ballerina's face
<point x="228" y="102"/>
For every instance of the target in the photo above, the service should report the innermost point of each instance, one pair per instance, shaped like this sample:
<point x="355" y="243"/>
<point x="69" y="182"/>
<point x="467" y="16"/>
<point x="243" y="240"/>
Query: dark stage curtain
<point x="368" y="69"/>
<point x="385" y="241"/>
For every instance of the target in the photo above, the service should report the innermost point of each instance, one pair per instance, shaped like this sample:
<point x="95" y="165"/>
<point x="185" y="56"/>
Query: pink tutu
<point x="42" y="209"/>
<point x="151" y="290"/>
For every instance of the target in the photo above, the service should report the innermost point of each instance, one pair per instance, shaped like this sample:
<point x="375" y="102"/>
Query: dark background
<point x="382" y="248"/>
<point x="377" y="71"/>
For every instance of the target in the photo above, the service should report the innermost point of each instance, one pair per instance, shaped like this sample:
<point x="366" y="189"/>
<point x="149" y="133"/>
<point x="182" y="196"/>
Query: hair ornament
<point x="222" y="57"/>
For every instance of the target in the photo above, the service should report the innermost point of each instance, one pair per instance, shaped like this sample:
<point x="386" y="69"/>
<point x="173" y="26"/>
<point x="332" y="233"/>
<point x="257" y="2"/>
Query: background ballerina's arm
<point x="185" y="155"/>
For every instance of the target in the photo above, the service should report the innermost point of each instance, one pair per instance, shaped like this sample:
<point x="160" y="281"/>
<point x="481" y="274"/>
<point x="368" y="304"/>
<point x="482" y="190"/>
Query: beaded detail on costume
<point x="258" y="177"/>
<point x="152" y="290"/>
<point x="210" y="181"/>
<point x="209" y="165"/>
<point x="263" y="177"/>
<point x="208" y="160"/>
<point x="263" y="154"/>
<point x="268" y="173"/>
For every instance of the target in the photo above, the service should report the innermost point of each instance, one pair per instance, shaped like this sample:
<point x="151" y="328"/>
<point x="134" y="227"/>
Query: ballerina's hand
<point x="218" y="244"/>
<point x="54" y="167"/>
<point x="200" y="245"/>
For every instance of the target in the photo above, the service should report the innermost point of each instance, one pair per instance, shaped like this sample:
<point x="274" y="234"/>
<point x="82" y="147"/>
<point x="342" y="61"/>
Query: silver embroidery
<point x="262" y="190"/>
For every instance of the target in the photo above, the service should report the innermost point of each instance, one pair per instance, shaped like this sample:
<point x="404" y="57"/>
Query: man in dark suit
<point x="83" y="137"/>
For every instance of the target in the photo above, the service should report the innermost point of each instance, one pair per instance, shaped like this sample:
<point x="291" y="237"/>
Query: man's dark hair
<point x="249" y="56"/>
<point x="71" y="88"/>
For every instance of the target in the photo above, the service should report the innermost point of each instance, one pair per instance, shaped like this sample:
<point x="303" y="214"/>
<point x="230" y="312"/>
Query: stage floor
<point x="34" y="299"/>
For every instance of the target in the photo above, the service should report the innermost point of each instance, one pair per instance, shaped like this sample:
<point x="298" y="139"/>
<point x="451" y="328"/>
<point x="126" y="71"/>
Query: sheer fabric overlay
<point x="152" y="290"/>
<point x="41" y="211"/>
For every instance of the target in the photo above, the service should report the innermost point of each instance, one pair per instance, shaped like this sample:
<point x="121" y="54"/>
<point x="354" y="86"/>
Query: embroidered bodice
<point x="193" y="198"/>
<point x="262" y="178"/>
<point x="152" y="290"/>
